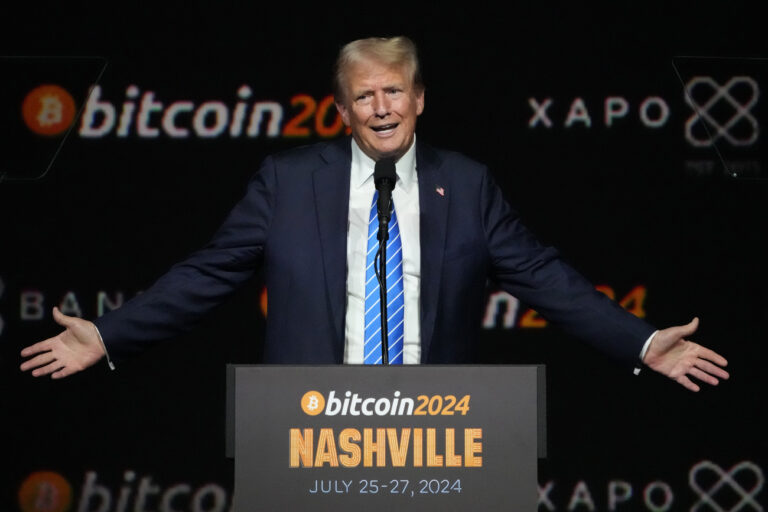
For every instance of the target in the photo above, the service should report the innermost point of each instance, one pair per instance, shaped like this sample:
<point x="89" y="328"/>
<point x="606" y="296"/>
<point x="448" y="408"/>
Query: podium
<point x="383" y="438"/>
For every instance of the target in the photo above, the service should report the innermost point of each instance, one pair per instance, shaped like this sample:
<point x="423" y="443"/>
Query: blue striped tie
<point x="395" y="299"/>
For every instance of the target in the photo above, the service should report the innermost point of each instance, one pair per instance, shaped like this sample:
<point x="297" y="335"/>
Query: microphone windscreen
<point x="384" y="170"/>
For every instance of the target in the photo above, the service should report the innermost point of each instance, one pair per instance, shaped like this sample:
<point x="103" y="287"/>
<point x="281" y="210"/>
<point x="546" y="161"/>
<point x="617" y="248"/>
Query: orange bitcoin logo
<point x="45" y="491"/>
<point x="312" y="403"/>
<point x="48" y="110"/>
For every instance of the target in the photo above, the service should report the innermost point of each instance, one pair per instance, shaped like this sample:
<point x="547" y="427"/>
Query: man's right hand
<point x="74" y="350"/>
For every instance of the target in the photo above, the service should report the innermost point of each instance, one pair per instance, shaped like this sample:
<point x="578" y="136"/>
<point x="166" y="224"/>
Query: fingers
<point x="711" y="369"/>
<point x="47" y="369"/>
<point x="40" y="360"/>
<point x="703" y="376"/>
<point x="42" y="346"/>
<point x="704" y="371"/>
<point x="713" y="356"/>
<point x="62" y="372"/>
<point x="687" y="383"/>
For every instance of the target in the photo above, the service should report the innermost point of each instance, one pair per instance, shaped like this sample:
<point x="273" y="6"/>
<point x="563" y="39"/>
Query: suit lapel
<point x="331" y="188"/>
<point x="434" y="196"/>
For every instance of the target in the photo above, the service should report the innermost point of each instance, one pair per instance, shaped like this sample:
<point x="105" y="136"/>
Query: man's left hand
<point x="678" y="358"/>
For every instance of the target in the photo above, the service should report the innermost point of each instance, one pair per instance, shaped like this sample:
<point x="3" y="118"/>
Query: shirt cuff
<point x="104" y="346"/>
<point x="643" y="351"/>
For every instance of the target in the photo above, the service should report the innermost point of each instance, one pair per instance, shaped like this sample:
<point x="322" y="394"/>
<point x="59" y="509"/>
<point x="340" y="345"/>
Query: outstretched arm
<point x="73" y="350"/>
<point x="678" y="358"/>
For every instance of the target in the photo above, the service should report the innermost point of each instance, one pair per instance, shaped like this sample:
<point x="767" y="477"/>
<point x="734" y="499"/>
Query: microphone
<point x="384" y="177"/>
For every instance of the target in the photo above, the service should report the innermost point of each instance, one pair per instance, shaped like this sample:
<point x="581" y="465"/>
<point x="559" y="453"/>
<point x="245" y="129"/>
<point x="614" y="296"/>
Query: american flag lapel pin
<point x="441" y="191"/>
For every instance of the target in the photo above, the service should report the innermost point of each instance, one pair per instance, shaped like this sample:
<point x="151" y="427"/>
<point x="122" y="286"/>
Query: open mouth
<point x="384" y="127"/>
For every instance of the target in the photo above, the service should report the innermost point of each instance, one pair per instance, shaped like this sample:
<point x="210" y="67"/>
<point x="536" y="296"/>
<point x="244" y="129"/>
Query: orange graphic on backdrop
<point x="48" y="110"/>
<point x="263" y="301"/>
<point x="45" y="491"/>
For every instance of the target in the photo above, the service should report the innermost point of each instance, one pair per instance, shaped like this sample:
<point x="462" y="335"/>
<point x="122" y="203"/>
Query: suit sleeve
<point x="537" y="276"/>
<point x="193" y="287"/>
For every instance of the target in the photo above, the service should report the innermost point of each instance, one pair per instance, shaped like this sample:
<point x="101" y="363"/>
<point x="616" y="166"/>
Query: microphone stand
<point x="381" y="275"/>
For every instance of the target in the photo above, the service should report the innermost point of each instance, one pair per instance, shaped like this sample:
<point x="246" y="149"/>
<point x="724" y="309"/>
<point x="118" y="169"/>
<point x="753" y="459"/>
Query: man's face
<point x="381" y="106"/>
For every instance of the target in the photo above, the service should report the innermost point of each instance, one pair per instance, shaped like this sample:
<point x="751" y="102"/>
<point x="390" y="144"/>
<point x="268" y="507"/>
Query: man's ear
<point x="343" y="112"/>
<point x="420" y="103"/>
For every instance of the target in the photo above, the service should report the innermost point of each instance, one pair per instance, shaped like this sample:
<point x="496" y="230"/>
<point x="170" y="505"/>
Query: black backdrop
<point x="631" y="203"/>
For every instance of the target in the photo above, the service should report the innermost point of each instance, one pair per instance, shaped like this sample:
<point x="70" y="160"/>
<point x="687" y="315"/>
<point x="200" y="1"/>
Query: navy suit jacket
<point x="293" y="222"/>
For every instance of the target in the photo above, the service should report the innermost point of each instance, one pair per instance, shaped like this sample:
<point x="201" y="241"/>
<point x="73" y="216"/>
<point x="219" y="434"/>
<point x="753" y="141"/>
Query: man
<point x="305" y="218"/>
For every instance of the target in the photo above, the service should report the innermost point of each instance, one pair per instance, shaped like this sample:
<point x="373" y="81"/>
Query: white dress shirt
<point x="406" y="199"/>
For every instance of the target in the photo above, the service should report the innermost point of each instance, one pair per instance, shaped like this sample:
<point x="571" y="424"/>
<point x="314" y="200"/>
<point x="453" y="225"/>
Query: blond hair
<point x="396" y="51"/>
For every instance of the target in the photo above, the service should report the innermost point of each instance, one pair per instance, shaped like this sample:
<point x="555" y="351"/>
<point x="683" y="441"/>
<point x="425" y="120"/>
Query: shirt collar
<point x="363" y="165"/>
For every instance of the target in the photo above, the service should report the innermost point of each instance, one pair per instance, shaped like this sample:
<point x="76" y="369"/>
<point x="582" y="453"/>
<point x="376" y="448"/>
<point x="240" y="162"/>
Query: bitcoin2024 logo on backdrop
<point x="721" y="111"/>
<point x="48" y="110"/>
